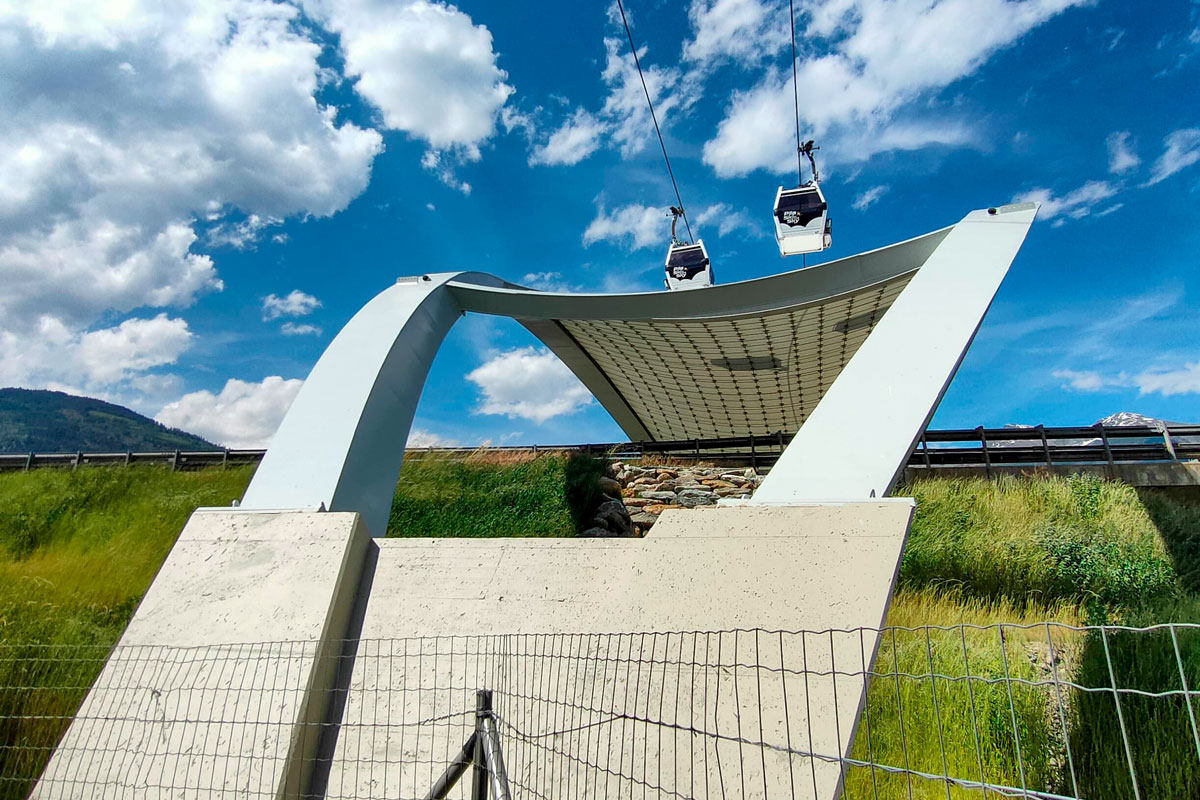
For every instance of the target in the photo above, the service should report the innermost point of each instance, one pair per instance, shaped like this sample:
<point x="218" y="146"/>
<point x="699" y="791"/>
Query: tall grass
<point x="77" y="552"/>
<point x="916" y="722"/>
<point x="481" y="497"/>
<point x="1041" y="541"/>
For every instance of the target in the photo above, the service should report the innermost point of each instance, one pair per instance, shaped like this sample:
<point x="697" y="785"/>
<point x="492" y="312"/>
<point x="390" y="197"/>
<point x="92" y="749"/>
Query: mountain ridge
<point x="43" y="421"/>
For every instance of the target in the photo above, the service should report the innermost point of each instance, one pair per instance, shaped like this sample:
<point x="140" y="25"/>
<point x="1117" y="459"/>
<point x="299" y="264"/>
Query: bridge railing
<point x="1039" y="445"/>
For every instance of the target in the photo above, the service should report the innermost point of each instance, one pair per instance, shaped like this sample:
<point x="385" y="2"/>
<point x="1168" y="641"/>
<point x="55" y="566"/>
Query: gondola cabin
<point x="802" y="223"/>
<point x="688" y="266"/>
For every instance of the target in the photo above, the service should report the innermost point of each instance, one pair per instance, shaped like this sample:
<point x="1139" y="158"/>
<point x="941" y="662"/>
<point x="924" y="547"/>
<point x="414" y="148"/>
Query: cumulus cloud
<point x="744" y="32"/>
<point x="1122" y="152"/>
<point x="209" y="133"/>
<point x="529" y="383"/>
<point x="879" y="61"/>
<point x="1075" y="204"/>
<point x="869" y="197"/>
<point x="577" y="138"/>
<point x="1181" y="150"/>
<point x="244" y="414"/>
<point x="623" y="120"/>
<point x="294" y="304"/>
<point x="634" y="225"/>
<point x="429" y="69"/>
<point x="53" y="354"/>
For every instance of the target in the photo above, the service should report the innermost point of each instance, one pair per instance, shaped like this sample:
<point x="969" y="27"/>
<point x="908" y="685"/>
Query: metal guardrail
<point x="971" y="447"/>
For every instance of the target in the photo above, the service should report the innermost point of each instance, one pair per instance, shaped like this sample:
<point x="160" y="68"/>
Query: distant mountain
<point x="38" y="421"/>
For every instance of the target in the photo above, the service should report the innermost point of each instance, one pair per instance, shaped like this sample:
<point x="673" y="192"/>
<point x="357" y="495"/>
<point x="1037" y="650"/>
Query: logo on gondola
<point x="679" y="272"/>
<point x="791" y="217"/>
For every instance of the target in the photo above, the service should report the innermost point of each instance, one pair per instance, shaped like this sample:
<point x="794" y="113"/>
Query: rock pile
<point x="647" y="491"/>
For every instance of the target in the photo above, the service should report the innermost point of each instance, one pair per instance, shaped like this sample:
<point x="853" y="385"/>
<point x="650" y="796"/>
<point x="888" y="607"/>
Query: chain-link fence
<point x="1045" y="711"/>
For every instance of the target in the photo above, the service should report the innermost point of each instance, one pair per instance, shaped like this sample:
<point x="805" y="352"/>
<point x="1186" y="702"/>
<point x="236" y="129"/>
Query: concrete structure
<point x="825" y="349"/>
<point x="744" y="358"/>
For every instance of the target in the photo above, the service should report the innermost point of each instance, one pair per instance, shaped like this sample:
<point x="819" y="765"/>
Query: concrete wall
<point x="279" y="654"/>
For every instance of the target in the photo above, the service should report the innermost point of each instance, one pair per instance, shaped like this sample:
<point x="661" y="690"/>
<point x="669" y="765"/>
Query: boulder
<point x="658" y="508"/>
<point x="609" y="486"/>
<point x="643" y="520"/>
<point x="696" y="497"/>
<point x="667" y="497"/>
<point x="733" y="491"/>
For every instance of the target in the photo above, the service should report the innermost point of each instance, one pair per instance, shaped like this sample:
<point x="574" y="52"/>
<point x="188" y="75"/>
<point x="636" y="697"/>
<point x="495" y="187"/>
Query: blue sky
<point x="194" y="198"/>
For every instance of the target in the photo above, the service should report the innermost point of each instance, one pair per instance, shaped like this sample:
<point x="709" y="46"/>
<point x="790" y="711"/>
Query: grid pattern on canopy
<point x="733" y="376"/>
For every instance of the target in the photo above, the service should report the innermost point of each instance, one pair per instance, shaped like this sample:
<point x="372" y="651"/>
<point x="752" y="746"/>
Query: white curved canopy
<point x="753" y="357"/>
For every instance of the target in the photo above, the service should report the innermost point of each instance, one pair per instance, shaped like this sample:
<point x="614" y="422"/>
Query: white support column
<point x="859" y="436"/>
<point x="341" y="443"/>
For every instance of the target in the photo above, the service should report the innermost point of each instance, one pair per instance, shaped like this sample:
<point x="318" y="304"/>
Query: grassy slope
<point x="77" y="552"/>
<point x="78" y="549"/>
<point x="1074" y="551"/>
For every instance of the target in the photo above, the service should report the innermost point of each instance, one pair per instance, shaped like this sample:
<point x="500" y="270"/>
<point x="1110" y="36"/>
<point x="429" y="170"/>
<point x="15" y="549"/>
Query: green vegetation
<point x="78" y="549"/>
<point x="1076" y="551"/>
<point x="53" y="422"/>
<point x="487" y="495"/>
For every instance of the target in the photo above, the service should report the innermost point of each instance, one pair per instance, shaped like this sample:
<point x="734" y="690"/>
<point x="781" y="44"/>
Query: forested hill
<point x="53" y="422"/>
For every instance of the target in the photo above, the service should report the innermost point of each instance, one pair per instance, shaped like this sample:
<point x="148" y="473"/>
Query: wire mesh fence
<point x="1042" y="711"/>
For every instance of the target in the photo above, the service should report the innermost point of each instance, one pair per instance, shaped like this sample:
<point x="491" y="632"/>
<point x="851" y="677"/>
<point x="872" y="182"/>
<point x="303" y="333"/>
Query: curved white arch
<point x="734" y="359"/>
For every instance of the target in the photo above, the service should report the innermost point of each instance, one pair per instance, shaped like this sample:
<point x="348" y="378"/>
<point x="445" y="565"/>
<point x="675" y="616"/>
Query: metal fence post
<point x="1107" y="450"/>
<point x="479" y="776"/>
<point x="1045" y="445"/>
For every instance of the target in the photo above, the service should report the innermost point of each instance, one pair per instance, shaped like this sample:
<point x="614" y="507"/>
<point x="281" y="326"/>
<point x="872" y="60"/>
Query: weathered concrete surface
<point x="446" y="616"/>
<point x="220" y="681"/>
<point x="1177" y="473"/>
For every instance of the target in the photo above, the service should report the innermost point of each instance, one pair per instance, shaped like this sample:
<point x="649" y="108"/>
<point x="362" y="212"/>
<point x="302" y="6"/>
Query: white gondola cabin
<point x="688" y="266"/>
<point x="802" y="223"/>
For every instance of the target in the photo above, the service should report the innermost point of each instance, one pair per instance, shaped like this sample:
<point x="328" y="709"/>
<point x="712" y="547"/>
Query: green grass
<point x="482" y="497"/>
<point x="77" y="552"/>
<point x="1038" y="542"/>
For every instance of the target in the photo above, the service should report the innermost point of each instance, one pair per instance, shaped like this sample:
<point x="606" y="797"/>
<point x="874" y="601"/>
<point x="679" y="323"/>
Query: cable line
<point x="796" y="97"/>
<point x="637" y="62"/>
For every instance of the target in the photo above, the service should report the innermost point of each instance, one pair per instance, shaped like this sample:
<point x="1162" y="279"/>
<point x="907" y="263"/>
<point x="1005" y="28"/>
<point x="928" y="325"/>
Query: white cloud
<point x="1167" y="382"/>
<point x="1081" y="380"/>
<point x="244" y="414"/>
<point x="295" y="329"/>
<point x="548" y="282"/>
<point x="54" y="354"/>
<point x="881" y="60"/>
<point x="869" y="197"/>
<point x="245" y="234"/>
<point x="208" y="132"/>
<point x="1122" y="152"/>
<point x="728" y="219"/>
<point x="423" y="438"/>
<point x="631" y="126"/>
<point x="529" y="383"/>
<point x="444" y="165"/>
<point x="745" y="32"/>
<point x="635" y="225"/>
<point x="1181" y="150"/>
<point x="294" y="304"/>
<point x="1076" y="204"/>
<point x="577" y="138"/>
<point x="428" y="68"/>
<point x="1185" y="380"/>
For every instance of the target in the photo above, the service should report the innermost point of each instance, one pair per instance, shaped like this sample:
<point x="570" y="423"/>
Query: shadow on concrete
<point x="331" y="727"/>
